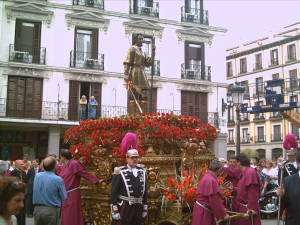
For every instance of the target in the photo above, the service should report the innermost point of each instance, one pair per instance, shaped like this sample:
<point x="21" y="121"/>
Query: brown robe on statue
<point x="134" y="65"/>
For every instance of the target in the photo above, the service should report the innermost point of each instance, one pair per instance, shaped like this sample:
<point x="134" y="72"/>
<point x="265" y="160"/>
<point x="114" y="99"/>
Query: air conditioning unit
<point x="90" y="3"/>
<point x="190" y="17"/>
<point x="145" y="11"/>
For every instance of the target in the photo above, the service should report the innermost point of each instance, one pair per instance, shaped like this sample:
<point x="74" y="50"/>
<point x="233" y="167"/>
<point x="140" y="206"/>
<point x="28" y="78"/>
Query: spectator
<point x="223" y="161"/>
<point x="26" y="163"/>
<point x="92" y="108"/>
<point x="271" y="172"/>
<point x="30" y="177"/>
<point x="48" y="192"/>
<point x="20" y="173"/>
<point x="253" y="162"/>
<point x="3" y="168"/>
<point x="82" y="108"/>
<point x="264" y="179"/>
<point x="12" y="193"/>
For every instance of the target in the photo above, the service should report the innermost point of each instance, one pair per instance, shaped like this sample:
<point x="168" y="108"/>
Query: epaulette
<point x="118" y="169"/>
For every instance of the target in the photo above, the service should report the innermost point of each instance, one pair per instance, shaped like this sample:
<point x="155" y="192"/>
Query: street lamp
<point x="236" y="98"/>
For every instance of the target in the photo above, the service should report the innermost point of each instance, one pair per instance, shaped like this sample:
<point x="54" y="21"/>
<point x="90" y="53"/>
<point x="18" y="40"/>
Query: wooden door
<point x="73" y="100"/>
<point x="96" y="89"/>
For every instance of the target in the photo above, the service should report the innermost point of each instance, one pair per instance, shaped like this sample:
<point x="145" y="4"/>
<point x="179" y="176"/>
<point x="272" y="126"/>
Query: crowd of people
<point x="47" y="191"/>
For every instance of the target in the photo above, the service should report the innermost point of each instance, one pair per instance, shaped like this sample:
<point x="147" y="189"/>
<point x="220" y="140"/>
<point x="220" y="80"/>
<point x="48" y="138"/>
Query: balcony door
<point x="260" y="134"/>
<point x="194" y="104"/>
<point x="28" y="39"/>
<point x="86" y="44"/>
<point x="194" y="60"/>
<point x="76" y="90"/>
<point x="141" y="6"/>
<point x="24" y="97"/>
<point x="276" y="133"/>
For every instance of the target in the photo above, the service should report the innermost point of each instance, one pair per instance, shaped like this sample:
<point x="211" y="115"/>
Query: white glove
<point x="116" y="216"/>
<point x="144" y="214"/>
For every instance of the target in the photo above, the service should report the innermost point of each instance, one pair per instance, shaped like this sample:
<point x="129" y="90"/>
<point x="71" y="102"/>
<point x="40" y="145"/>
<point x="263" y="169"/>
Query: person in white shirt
<point x="271" y="172"/>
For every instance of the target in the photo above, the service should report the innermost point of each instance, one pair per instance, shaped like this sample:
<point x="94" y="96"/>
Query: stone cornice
<point x="45" y="72"/>
<point x="194" y="34"/>
<point x="87" y="19"/>
<point x="29" y="11"/>
<point x="126" y="15"/>
<point x="143" y="26"/>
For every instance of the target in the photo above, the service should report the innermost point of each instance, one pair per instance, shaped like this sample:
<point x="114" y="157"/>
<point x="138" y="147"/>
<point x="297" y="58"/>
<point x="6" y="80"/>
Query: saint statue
<point x="137" y="82"/>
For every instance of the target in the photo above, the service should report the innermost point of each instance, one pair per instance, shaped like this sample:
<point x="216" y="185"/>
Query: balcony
<point x="152" y="11"/>
<point x="276" y="138"/>
<point x="259" y="118"/>
<point x="25" y="54"/>
<point x="245" y="140"/>
<point x="155" y="69"/>
<point x="293" y="84"/>
<point x="230" y="122"/>
<point x="230" y="141"/>
<point x="260" y="139"/>
<point x="87" y="60"/>
<point x="257" y="66"/>
<point x="291" y="59"/>
<point x="90" y="3"/>
<point x="193" y="15"/>
<point x="275" y="116"/>
<point x="195" y="72"/>
<point x="274" y="62"/>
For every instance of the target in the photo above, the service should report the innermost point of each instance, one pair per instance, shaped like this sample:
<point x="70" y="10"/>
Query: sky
<point x="246" y="20"/>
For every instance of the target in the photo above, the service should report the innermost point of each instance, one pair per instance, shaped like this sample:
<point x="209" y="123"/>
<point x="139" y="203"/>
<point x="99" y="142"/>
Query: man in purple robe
<point x="209" y="207"/>
<point x="247" y="193"/>
<point x="71" y="171"/>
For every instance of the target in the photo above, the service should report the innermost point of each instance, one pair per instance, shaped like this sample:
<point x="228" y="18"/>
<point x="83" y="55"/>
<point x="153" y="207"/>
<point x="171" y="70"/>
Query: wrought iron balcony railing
<point x="194" y="15"/>
<point x="195" y="72"/>
<point x="277" y="137"/>
<point x="27" y="54"/>
<point x="260" y="138"/>
<point x="87" y="60"/>
<point x="155" y="69"/>
<point x="230" y="141"/>
<point x="245" y="140"/>
<point x="90" y="3"/>
<point x="274" y="62"/>
<point x="144" y="10"/>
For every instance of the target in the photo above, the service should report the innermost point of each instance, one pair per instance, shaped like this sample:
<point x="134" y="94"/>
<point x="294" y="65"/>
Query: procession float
<point x="176" y="151"/>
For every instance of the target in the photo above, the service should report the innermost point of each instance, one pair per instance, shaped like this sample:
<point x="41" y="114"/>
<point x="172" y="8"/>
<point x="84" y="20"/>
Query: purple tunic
<point x="247" y="195"/>
<point x="209" y="195"/>
<point x="71" y="211"/>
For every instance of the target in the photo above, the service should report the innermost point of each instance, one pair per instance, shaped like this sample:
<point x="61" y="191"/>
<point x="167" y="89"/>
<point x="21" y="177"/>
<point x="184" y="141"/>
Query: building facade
<point x="251" y="64"/>
<point x="54" y="51"/>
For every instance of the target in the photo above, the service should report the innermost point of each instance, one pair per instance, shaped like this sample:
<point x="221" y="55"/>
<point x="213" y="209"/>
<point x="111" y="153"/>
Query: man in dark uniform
<point x="291" y="197"/>
<point x="128" y="197"/>
<point x="289" y="167"/>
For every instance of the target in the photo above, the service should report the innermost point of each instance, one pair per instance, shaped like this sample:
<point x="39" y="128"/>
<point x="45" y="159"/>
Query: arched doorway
<point x="276" y="153"/>
<point x="261" y="153"/>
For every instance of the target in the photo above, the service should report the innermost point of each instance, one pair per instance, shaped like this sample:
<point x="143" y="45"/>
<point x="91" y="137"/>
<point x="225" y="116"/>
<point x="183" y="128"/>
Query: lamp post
<point x="236" y="98"/>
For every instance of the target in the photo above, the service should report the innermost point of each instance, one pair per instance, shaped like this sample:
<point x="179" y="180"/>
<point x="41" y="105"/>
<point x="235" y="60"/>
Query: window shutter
<point x="73" y="100"/>
<point x="203" y="107"/>
<point x="96" y="89"/>
<point x="95" y="35"/>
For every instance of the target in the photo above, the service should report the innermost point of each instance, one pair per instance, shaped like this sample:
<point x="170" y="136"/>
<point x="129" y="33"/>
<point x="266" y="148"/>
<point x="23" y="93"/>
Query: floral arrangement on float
<point x="158" y="130"/>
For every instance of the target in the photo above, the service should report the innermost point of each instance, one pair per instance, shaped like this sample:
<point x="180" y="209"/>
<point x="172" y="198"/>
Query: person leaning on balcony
<point x="209" y="206"/>
<point x="92" y="108"/>
<point x="82" y="107"/>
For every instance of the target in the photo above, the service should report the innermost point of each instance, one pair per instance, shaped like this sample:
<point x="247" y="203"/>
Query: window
<point x="243" y="65"/>
<point x="275" y="76"/>
<point x="291" y="52"/>
<point x="260" y="134"/>
<point x="86" y="44"/>
<point x="258" y="61"/>
<point x="295" y="130"/>
<point x="230" y="153"/>
<point x="245" y="135"/>
<point x="293" y="79"/>
<point x="274" y="57"/>
<point x="194" y="60"/>
<point x="245" y="116"/>
<point x="246" y="93"/>
<point x="230" y="134"/>
<point x="259" y="115"/>
<point x="193" y="4"/>
<point x="194" y="104"/>
<point x="276" y="133"/>
<point x="24" y="97"/>
<point x="28" y="40"/>
<point x="229" y="69"/>
<point x="259" y="83"/>
<point x="230" y="114"/>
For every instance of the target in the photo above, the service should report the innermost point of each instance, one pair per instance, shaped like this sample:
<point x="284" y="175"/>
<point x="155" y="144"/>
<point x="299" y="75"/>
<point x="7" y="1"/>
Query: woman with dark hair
<point x="12" y="194"/>
<point x="71" y="171"/>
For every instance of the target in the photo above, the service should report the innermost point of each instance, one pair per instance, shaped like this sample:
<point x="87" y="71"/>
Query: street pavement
<point x="29" y="221"/>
